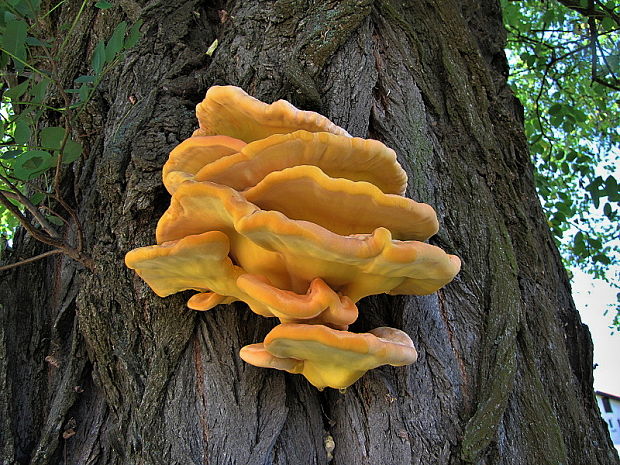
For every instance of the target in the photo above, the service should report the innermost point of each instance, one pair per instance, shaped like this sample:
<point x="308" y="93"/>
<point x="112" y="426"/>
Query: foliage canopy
<point x="34" y="155"/>
<point x="565" y="58"/>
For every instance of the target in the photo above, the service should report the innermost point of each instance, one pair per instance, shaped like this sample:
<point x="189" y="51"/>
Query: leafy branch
<point x="565" y="57"/>
<point x="32" y="159"/>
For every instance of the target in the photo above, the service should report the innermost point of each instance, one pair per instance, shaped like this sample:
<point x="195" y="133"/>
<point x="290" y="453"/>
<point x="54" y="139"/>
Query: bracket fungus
<point x="285" y="211"/>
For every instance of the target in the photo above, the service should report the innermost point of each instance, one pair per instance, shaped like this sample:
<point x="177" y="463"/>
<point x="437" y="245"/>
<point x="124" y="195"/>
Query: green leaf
<point x="72" y="151"/>
<point x="14" y="93"/>
<point x="579" y="115"/>
<point x="594" y="242"/>
<point x="568" y="126"/>
<point x="134" y="35"/>
<point x="33" y="41"/>
<point x="115" y="44"/>
<point x="548" y="16"/>
<point x="28" y="8"/>
<point x="611" y="188"/>
<point x="103" y="5"/>
<point x="9" y="154"/>
<point x="14" y="41"/>
<point x="608" y="23"/>
<point x="557" y="120"/>
<point x="51" y="138"/>
<point x="98" y="59"/>
<point x="22" y="132"/>
<point x="579" y="246"/>
<point x="37" y="198"/>
<point x="38" y="91"/>
<point x="55" y="220"/>
<point x="527" y="58"/>
<point x="83" y="92"/>
<point x="604" y="259"/>
<point x="555" y="109"/>
<point x="31" y="164"/>
<point x="83" y="79"/>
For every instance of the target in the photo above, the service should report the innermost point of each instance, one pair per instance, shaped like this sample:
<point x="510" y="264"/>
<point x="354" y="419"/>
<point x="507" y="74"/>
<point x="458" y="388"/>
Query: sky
<point x="595" y="299"/>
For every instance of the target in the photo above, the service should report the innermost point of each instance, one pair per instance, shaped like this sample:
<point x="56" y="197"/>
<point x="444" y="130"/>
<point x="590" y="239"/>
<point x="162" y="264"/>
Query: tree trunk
<point x="504" y="374"/>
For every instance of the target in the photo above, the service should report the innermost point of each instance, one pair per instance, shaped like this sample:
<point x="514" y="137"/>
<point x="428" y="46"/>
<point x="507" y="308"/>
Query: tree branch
<point x="31" y="259"/>
<point x="41" y="237"/>
<point x="589" y="12"/>
<point x="15" y="194"/>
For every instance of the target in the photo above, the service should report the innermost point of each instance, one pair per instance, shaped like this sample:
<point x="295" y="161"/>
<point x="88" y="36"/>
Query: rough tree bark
<point x="505" y="368"/>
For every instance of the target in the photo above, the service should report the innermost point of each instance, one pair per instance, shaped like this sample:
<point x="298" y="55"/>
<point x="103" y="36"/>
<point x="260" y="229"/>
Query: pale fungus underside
<point x="283" y="210"/>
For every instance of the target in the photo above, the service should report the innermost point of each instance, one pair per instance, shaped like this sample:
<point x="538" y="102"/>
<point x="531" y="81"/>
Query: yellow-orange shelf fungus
<point x="307" y="193"/>
<point x="199" y="262"/>
<point x="283" y="210"/>
<point x="291" y="253"/>
<point x="356" y="266"/>
<point x="320" y="305"/>
<point x="337" y="156"/>
<point x="207" y="300"/>
<point x="198" y="207"/>
<point x="257" y="355"/>
<point x="191" y="155"/>
<point x="229" y="111"/>
<point x="327" y="357"/>
<point x="194" y="262"/>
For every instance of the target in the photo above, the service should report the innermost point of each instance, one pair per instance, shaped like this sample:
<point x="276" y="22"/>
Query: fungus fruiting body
<point x="285" y="211"/>
<point x="328" y="357"/>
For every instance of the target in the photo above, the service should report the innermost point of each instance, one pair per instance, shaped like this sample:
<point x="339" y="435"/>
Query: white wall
<point x="612" y="418"/>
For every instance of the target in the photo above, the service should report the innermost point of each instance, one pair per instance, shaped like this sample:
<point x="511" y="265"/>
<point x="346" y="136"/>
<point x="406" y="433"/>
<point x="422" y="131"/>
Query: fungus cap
<point x="337" y="156"/>
<point x="342" y="206"/>
<point x="331" y="358"/>
<point x="194" y="153"/>
<point x="199" y="262"/>
<point x="197" y="207"/>
<point x="291" y="253"/>
<point x="229" y="111"/>
<point x="189" y="263"/>
<point x="357" y="265"/>
<point x="207" y="300"/>
<point x="257" y="355"/>
<point x="320" y="305"/>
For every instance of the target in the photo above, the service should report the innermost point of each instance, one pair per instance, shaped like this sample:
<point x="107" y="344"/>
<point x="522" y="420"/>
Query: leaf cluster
<point x="565" y="59"/>
<point x="33" y="154"/>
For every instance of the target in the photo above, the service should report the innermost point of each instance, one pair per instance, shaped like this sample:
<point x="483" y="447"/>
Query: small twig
<point x="70" y="252"/>
<point x="59" y="162"/>
<point x="603" y="82"/>
<point x="27" y="65"/>
<point x="74" y="217"/>
<point x="610" y="13"/>
<point x="40" y="105"/>
<point x="52" y="212"/>
<point x="72" y="27"/>
<point x="67" y="116"/>
<point x="17" y="195"/>
<point x="567" y="54"/>
<point x="27" y="224"/>
<point x="31" y="259"/>
<point x="58" y="5"/>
